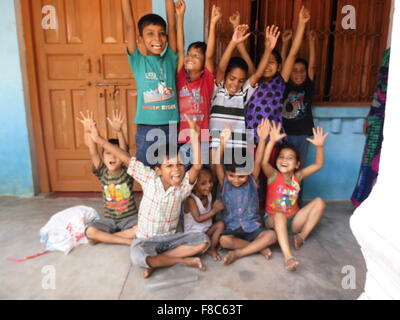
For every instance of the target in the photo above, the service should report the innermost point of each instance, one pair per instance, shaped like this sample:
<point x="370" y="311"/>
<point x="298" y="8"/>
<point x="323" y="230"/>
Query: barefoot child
<point x="283" y="190"/>
<point x="157" y="244"/>
<point x="199" y="211"/>
<point x="119" y="203"/>
<point x="244" y="233"/>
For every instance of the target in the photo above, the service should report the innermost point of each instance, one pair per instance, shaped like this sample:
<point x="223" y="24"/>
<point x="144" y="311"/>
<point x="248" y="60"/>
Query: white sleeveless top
<point x="191" y="225"/>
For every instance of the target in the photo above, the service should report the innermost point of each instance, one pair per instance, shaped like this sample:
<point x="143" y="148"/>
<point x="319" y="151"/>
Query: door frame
<point x="41" y="178"/>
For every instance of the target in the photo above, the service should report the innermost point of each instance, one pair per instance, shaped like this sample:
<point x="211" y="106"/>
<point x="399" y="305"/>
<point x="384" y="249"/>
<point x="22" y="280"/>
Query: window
<point x="347" y="61"/>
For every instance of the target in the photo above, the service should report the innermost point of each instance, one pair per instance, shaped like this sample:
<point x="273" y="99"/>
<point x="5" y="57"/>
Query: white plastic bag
<point x="66" y="229"/>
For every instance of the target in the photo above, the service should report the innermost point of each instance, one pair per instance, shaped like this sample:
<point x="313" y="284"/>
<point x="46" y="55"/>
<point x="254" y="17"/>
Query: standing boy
<point x="153" y="64"/>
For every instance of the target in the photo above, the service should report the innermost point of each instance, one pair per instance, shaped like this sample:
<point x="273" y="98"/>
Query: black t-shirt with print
<point x="297" y="112"/>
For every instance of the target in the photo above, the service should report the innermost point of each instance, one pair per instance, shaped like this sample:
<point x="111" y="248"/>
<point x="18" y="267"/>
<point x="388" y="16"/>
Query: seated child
<point x="119" y="203"/>
<point x="244" y="233"/>
<point x="284" y="214"/>
<point x="199" y="211"/>
<point x="157" y="244"/>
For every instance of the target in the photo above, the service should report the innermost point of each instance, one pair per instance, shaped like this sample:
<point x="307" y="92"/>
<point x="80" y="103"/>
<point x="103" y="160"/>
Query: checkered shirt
<point x="159" y="209"/>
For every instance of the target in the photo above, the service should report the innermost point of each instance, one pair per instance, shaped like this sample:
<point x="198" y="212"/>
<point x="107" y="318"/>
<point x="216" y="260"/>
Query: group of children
<point x="202" y="124"/>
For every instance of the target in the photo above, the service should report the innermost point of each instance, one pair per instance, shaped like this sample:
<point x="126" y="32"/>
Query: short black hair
<point x="303" y="61"/>
<point x="287" y="145"/>
<point x="151" y="19"/>
<point x="199" y="45"/>
<point x="165" y="151"/>
<point x="277" y="56"/>
<point x="237" y="62"/>
<point x="238" y="160"/>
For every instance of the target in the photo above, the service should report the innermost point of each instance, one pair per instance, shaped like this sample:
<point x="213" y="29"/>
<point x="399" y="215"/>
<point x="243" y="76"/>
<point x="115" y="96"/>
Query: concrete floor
<point x="105" y="272"/>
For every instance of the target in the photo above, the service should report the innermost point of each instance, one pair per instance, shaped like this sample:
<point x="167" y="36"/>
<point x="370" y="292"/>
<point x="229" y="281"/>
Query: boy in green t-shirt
<point x="153" y="62"/>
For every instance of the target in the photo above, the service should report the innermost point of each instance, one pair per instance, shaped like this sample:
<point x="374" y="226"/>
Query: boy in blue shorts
<point x="153" y="60"/>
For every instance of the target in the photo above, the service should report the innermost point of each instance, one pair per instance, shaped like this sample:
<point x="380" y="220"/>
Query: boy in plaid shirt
<point x="157" y="244"/>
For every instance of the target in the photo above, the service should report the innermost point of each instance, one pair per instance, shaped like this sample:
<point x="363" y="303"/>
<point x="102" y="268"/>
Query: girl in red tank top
<point x="283" y="212"/>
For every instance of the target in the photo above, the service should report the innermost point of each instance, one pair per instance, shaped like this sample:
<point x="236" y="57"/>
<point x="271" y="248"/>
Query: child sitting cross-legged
<point x="244" y="233"/>
<point x="199" y="211"/>
<point x="118" y="225"/>
<point x="157" y="244"/>
<point x="284" y="214"/>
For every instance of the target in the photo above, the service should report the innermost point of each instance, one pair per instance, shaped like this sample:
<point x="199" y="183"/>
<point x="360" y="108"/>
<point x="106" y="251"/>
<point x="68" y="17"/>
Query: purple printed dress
<point x="266" y="102"/>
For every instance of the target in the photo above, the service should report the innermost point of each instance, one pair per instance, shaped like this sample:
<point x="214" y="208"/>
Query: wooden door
<point x="82" y="64"/>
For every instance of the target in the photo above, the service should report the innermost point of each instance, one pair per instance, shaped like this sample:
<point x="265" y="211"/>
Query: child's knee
<point x="224" y="241"/>
<point x="90" y="232"/>
<point x="320" y="203"/>
<point x="220" y="226"/>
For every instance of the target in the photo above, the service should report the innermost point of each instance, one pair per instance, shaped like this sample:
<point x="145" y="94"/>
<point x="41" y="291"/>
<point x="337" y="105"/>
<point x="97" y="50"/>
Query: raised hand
<point x="275" y="132"/>
<point x="180" y="8"/>
<point x="215" y="14"/>
<point x="218" y="205"/>
<point x="93" y="131"/>
<point x="319" y="137"/>
<point x="241" y="33"/>
<point x="304" y="15"/>
<point x="194" y="127"/>
<point x="263" y="129"/>
<point x="86" y="120"/>
<point x="271" y="36"/>
<point x="235" y="19"/>
<point x="117" y="120"/>
<point x="226" y="134"/>
<point x="312" y="35"/>
<point x="287" y="35"/>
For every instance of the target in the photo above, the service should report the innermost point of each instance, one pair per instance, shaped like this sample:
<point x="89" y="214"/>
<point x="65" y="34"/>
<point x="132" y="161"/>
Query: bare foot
<point x="231" y="257"/>
<point x="214" y="253"/>
<point x="147" y="273"/>
<point x="267" y="253"/>
<point x="298" y="241"/>
<point x="292" y="264"/>
<point x="194" y="263"/>
<point x="93" y="242"/>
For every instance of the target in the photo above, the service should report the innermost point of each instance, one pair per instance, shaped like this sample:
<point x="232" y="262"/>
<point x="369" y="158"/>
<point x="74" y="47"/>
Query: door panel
<point x="82" y="65"/>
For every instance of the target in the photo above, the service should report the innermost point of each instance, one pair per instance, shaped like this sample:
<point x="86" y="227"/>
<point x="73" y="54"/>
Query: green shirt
<point x="118" y="196"/>
<point x="155" y="80"/>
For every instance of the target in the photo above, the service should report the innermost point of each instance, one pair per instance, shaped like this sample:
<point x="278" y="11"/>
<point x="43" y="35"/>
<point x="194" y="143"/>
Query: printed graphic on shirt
<point x="294" y="106"/>
<point x="288" y="198"/>
<point x="117" y="197"/>
<point x="195" y="99"/>
<point x="162" y="93"/>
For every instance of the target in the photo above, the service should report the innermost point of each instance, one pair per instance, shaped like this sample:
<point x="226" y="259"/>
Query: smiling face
<point x="236" y="179"/>
<point x="287" y="161"/>
<point x="204" y="184"/>
<point x="299" y="74"/>
<point x="112" y="163"/>
<point x="235" y="80"/>
<point x="194" y="60"/>
<point x="171" y="172"/>
<point x="272" y="68"/>
<point x="154" y="38"/>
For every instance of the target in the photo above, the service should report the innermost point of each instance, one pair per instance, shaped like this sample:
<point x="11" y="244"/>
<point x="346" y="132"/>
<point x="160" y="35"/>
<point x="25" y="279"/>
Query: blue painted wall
<point x="335" y="181"/>
<point x="15" y="160"/>
<point x="194" y="19"/>
<point x="343" y="152"/>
